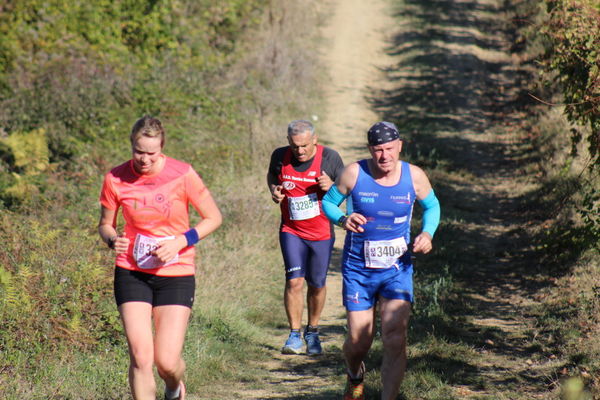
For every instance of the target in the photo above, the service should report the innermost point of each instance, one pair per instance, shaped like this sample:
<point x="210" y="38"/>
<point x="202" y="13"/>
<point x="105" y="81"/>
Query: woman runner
<point x="154" y="274"/>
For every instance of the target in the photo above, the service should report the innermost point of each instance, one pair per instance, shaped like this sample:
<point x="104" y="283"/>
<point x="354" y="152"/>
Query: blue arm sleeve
<point x="431" y="213"/>
<point x="331" y="204"/>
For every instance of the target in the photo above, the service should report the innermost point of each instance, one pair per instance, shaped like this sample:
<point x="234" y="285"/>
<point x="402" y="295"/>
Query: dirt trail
<point x="446" y="74"/>
<point x="354" y="52"/>
<point x="355" y="55"/>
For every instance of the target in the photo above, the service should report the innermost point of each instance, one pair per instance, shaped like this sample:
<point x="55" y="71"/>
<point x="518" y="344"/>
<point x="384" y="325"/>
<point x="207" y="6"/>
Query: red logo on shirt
<point x="287" y="185"/>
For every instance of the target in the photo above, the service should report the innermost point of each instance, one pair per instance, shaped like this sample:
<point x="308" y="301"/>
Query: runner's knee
<point x="142" y="358"/>
<point x="394" y="339"/>
<point x="358" y="343"/>
<point x="168" y="366"/>
<point x="360" y="337"/>
<point x="315" y="291"/>
<point x="294" y="285"/>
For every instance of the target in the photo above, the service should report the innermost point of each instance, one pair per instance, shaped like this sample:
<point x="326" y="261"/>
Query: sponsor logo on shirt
<point x="287" y="185"/>
<point x="401" y="199"/>
<point x="399" y="220"/>
<point x="312" y="173"/>
<point x="384" y="227"/>
<point x="295" y="178"/>
<point x="367" y="200"/>
<point x="384" y="213"/>
<point x="368" y="194"/>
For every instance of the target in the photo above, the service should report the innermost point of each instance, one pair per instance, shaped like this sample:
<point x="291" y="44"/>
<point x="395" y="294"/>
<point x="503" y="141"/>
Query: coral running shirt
<point x="154" y="206"/>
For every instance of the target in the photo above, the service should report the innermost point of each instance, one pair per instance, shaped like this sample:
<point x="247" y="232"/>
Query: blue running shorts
<point x="308" y="259"/>
<point x="362" y="286"/>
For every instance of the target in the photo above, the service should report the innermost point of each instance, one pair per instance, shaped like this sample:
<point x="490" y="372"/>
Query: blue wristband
<point x="431" y="213"/>
<point x="192" y="237"/>
<point x="331" y="202"/>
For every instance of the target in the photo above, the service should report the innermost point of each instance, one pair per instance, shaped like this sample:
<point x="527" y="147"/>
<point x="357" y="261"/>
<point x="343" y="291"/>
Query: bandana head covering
<point x="382" y="132"/>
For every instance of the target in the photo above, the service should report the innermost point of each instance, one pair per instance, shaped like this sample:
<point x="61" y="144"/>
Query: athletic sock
<point x="355" y="379"/>
<point x="311" y="328"/>
<point x="173" y="394"/>
<point x="359" y="377"/>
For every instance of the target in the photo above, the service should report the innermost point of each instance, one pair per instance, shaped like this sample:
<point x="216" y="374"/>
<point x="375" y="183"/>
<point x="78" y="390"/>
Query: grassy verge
<point x="568" y="307"/>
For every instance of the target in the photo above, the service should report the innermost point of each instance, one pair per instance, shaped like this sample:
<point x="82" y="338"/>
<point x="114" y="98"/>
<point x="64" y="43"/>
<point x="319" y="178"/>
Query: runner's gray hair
<point x="300" y="126"/>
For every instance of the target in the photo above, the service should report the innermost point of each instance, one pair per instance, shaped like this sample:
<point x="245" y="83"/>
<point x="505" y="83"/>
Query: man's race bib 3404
<point x="144" y="247"/>
<point x="384" y="253"/>
<point x="304" y="207"/>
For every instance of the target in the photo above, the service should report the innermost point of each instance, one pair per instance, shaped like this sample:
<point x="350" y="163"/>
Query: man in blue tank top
<point x="376" y="262"/>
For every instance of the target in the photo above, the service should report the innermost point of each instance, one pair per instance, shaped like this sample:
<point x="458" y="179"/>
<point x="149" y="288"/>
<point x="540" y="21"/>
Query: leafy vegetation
<point x="74" y="76"/>
<point x="569" y="201"/>
<point x="82" y="71"/>
<point x="573" y="32"/>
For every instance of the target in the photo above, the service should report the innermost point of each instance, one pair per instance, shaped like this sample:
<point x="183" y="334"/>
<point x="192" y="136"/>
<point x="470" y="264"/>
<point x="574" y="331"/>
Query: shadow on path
<point x="457" y="94"/>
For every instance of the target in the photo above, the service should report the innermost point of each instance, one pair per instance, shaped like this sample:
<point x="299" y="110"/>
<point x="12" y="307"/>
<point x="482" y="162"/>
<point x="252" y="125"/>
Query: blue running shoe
<point x="313" y="343"/>
<point x="293" y="344"/>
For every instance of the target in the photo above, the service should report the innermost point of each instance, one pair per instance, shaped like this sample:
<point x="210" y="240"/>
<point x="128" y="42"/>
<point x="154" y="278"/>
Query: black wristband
<point x="111" y="242"/>
<point x="340" y="222"/>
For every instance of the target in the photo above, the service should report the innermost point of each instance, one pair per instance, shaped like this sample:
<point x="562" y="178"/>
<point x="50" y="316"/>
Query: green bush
<point x="85" y="70"/>
<point x="574" y="32"/>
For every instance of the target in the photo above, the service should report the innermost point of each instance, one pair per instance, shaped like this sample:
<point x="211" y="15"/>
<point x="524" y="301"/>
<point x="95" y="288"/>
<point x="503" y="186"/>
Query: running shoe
<point x="313" y="343"/>
<point x="293" y="344"/>
<point x="355" y="388"/>
<point x="181" y="393"/>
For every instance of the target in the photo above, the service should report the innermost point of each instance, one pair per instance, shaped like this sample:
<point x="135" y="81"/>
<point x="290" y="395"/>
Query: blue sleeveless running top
<point x="388" y="210"/>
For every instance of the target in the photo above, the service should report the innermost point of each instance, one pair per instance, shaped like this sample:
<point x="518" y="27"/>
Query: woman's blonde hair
<point x="147" y="126"/>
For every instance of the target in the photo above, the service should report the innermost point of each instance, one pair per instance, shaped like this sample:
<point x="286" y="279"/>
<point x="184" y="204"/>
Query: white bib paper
<point x="384" y="253"/>
<point x="304" y="207"/>
<point x="144" y="247"/>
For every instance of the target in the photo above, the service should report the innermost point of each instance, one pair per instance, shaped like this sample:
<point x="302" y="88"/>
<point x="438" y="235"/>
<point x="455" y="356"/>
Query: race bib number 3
<point x="304" y="207"/>
<point x="384" y="253"/>
<point x="144" y="247"/>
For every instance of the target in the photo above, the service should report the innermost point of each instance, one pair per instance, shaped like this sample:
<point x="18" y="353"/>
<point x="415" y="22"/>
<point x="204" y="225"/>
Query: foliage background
<point x="569" y="141"/>
<point x="224" y="77"/>
<point x="572" y="29"/>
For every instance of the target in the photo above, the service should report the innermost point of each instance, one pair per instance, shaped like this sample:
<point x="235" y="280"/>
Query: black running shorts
<point x="156" y="290"/>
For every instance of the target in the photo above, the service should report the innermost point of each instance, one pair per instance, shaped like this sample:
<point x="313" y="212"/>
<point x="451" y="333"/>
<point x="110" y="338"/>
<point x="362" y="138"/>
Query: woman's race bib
<point x="143" y="248"/>
<point x="304" y="207"/>
<point x="384" y="253"/>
